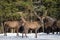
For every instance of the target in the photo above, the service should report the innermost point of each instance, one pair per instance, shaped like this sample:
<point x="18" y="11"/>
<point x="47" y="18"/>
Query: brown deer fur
<point x="12" y="24"/>
<point x="31" y="25"/>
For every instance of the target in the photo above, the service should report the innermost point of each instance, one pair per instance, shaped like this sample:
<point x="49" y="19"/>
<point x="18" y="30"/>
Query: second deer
<point x="31" y="25"/>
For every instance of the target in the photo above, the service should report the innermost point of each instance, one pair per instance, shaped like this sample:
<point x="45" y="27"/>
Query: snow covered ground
<point x="41" y="36"/>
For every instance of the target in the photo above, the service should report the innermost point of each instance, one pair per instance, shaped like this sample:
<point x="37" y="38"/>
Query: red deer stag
<point x="13" y="25"/>
<point x="31" y="25"/>
<point x="41" y="19"/>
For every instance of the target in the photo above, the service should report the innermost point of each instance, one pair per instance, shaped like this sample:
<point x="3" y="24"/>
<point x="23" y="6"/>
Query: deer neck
<point x="23" y="20"/>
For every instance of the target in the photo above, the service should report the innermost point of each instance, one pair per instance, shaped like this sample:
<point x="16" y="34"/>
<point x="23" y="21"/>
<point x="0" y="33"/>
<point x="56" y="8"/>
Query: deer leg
<point x="30" y="31"/>
<point x="2" y="27"/>
<point x="5" y="32"/>
<point x="12" y="30"/>
<point x="17" y="32"/>
<point x="26" y="31"/>
<point x="36" y="33"/>
<point x="22" y="34"/>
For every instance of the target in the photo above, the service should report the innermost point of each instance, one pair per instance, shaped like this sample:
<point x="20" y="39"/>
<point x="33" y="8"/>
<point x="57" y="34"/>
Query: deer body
<point x="13" y="25"/>
<point x="31" y="25"/>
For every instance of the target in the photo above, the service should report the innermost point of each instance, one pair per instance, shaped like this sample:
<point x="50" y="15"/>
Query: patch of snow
<point x="31" y="36"/>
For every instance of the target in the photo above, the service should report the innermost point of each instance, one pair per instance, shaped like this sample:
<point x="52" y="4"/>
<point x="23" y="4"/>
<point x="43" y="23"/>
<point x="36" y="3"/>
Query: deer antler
<point x="41" y="19"/>
<point x="23" y="19"/>
<point x="45" y="14"/>
<point x="38" y="16"/>
<point x="20" y="13"/>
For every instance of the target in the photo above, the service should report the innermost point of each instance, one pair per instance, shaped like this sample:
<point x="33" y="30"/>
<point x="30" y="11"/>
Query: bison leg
<point x="48" y="30"/>
<point x="59" y="31"/>
<point x="53" y="30"/>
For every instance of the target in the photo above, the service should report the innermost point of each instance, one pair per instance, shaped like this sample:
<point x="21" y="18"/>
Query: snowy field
<point x="41" y="36"/>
